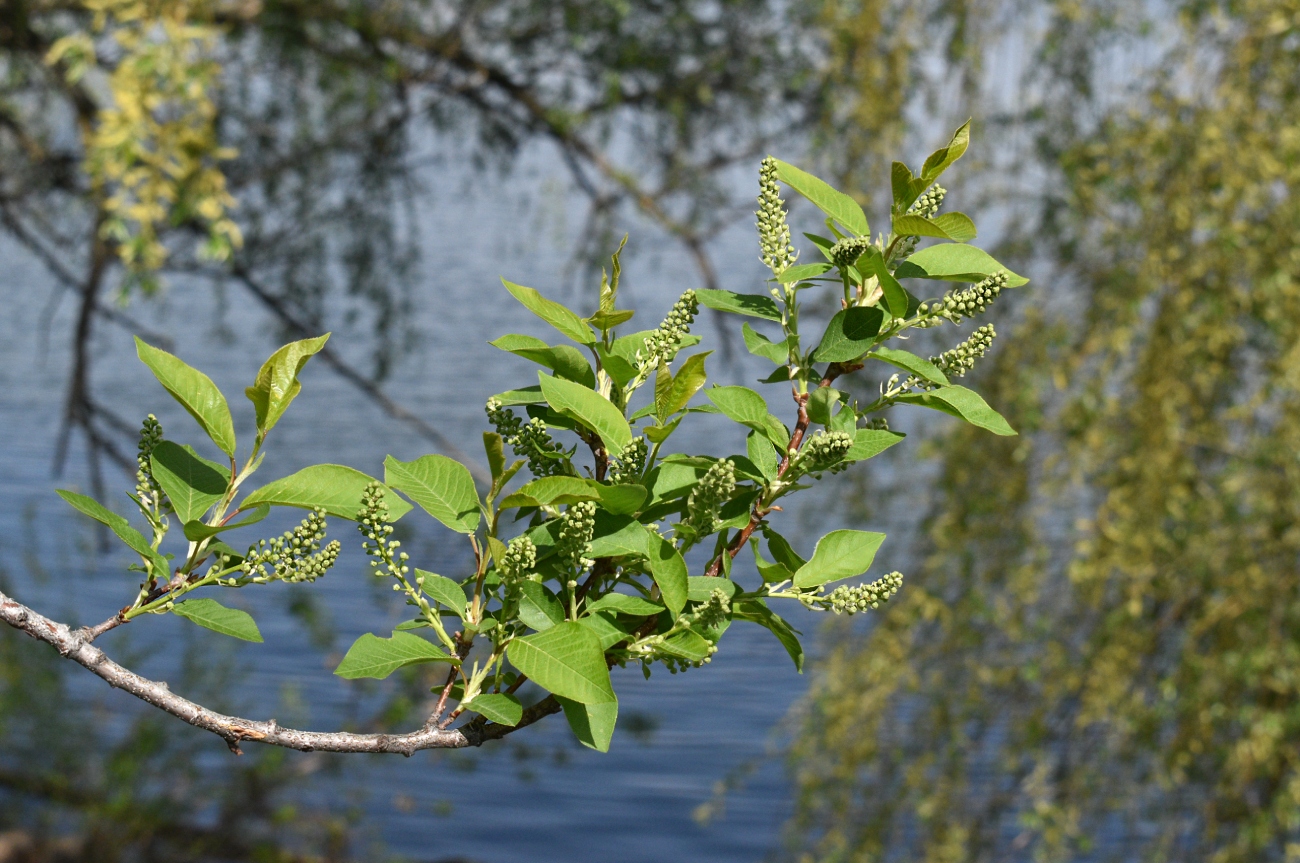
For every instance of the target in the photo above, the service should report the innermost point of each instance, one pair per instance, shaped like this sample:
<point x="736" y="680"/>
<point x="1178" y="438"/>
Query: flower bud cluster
<point x="664" y="342"/>
<point x="878" y="424"/>
<point x="926" y="207"/>
<point x="517" y="563"/>
<point x="529" y="440"/>
<point x="576" y="528"/>
<point x="823" y="450"/>
<point x="293" y="557"/>
<point x="851" y="600"/>
<point x="146" y="487"/>
<point x="629" y="464"/>
<point x="715" y="610"/>
<point x="961" y="359"/>
<point x="847" y="251"/>
<point x="773" y="231"/>
<point x="929" y="203"/>
<point x="714" y="488"/>
<point x="372" y="522"/>
<point x="968" y="302"/>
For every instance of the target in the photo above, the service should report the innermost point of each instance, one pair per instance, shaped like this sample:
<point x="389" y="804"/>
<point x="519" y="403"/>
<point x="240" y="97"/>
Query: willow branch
<point x="75" y="644"/>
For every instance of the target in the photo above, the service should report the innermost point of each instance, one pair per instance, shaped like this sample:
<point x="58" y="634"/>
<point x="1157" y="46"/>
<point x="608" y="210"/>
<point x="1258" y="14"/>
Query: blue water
<point x="537" y="795"/>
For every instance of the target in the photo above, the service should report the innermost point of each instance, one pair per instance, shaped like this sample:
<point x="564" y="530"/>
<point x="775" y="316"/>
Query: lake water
<point x="679" y="735"/>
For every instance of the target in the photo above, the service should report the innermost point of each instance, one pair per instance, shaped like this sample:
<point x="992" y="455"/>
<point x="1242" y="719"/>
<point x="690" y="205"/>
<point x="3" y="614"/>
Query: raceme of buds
<point x="929" y="203"/>
<point x="146" y="487"/>
<point x="824" y="450"/>
<point x="629" y="464"/>
<point x="714" y="488"/>
<point x="926" y="207"/>
<point x="295" y="556"/>
<point x="530" y="440"/>
<point x="971" y="301"/>
<point x="372" y="522"/>
<point x="518" y="561"/>
<point x="715" y="610"/>
<point x="961" y="359"/>
<point x="773" y="231"/>
<point x="851" y="600"/>
<point x="664" y="342"/>
<point x="846" y="252"/>
<point x="576" y="528"/>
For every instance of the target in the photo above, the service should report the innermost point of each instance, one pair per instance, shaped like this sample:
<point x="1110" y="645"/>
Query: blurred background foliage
<point x="1095" y="656"/>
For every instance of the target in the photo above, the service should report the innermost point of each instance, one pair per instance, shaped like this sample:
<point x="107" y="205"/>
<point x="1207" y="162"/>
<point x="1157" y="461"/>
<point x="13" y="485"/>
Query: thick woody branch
<point x="76" y="645"/>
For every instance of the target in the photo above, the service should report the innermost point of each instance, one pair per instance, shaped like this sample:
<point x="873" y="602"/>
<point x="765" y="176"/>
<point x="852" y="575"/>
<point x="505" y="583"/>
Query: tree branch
<point x="76" y="645"/>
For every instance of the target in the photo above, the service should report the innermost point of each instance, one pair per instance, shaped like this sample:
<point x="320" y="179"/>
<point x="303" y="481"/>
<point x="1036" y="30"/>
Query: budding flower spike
<point x="581" y="545"/>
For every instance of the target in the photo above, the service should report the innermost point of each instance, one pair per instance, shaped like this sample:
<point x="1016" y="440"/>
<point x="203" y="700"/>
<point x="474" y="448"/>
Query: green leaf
<point x="958" y="226"/>
<point x="553" y="490"/>
<point x="332" y="487"/>
<point x="905" y="189"/>
<point x="276" y="384"/>
<point x="761" y="453"/>
<point x="940" y="160"/>
<point x="567" y="322"/>
<point x="494" y="448"/>
<point x="624" y="604"/>
<point x="624" y="499"/>
<point x="522" y="396"/>
<point x="804" y="271"/>
<point x="196" y="531"/>
<point x="668" y="569"/>
<point x="443" y="487"/>
<point x="564" y="360"/>
<point x="740" y="404"/>
<point x="663" y="391"/>
<point x="608" y="629"/>
<point x="592" y="724"/>
<point x="849" y="335"/>
<point x="897" y="301"/>
<point x="195" y="391"/>
<point x="120" y="526"/>
<point x="770" y="572"/>
<point x="949" y="226"/>
<point x="871" y="442"/>
<point x="701" y="587"/>
<point x="955" y="262"/>
<point x="566" y="660"/>
<point x="590" y="408"/>
<point x="964" y="403"/>
<point x="761" y="346"/>
<point x="820" y="403"/>
<point x="782" y="551"/>
<point x="372" y="656"/>
<point x="755" y="611"/>
<point x="499" y="707"/>
<point x="617" y="536"/>
<point x="839" y="554"/>
<point x="688" y="645"/>
<point x="605" y="321"/>
<point x="910" y="362"/>
<point x="830" y="201"/>
<point x="686" y="383"/>
<point x="538" y="607"/>
<point x="754" y="305"/>
<point x="212" y="615"/>
<point x="659" y="434"/>
<point x="444" y="591"/>
<point x="193" y="484"/>
<point x="618" y="368"/>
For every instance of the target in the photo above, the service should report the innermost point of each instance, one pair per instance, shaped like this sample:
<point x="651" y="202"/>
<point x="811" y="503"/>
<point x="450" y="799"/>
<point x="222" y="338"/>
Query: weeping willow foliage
<point x="1099" y="655"/>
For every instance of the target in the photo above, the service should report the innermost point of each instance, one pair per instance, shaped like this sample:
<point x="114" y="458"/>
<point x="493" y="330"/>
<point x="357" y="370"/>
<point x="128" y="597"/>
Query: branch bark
<point x="75" y="644"/>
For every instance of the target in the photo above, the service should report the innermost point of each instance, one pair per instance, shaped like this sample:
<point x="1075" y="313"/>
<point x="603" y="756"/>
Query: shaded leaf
<point x="196" y="531"/>
<point x="761" y="346"/>
<point x="192" y="483"/>
<point x="592" y="724"/>
<point x="754" y="305"/>
<point x="849" y="335"/>
<point x="668" y="569"/>
<point x="755" y="611"/>
<point x="538" y="607"/>
<point x="624" y="604"/>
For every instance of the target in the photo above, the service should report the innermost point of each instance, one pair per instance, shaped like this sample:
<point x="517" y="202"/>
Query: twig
<point x="73" y="644"/>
